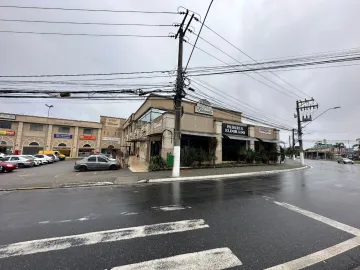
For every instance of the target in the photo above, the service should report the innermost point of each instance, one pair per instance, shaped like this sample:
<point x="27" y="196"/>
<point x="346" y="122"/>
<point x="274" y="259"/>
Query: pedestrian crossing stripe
<point x="214" y="259"/>
<point x="65" y="242"/>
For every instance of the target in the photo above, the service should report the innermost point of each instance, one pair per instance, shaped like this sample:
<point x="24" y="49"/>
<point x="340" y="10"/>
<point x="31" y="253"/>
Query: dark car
<point x="96" y="163"/>
<point x="7" y="166"/>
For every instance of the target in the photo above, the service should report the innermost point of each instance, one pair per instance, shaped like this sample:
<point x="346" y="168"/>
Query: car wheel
<point x="113" y="167"/>
<point x="3" y="169"/>
<point x="21" y="165"/>
<point x="83" y="169"/>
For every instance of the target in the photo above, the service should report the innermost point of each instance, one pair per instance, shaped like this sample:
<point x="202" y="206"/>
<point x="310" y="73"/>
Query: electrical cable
<point x="246" y="65"/>
<point x="192" y="51"/>
<point x="90" y="10"/>
<point x="215" y="73"/>
<point x="82" y="34"/>
<point x="252" y="58"/>
<point x="85" y="23"/>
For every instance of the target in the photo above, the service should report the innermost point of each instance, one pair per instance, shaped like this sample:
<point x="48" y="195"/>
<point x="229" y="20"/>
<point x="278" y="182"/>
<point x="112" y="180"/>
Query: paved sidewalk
<point x="124" y="176"/>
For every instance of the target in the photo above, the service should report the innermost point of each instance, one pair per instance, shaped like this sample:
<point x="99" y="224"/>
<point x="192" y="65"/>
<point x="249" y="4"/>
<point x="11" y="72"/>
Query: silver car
<point x="20" y="160"/>
<point x="96" y="163"/>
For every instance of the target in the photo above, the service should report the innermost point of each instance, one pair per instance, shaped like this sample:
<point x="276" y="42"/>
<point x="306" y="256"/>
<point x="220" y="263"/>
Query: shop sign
<point x="111" y="139"/>
<point x="87" y="137"/>
<point x="112" y="122"/>
<point x="204" y="107"/>
<point x="234" y="129"/>
<point x="265" y="130"/>
<point x="7" y="132"/>
<point x="7" y="116"/>
<point x="63" y="136"/>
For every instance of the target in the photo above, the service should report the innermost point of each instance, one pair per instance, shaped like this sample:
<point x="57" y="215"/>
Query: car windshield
<point x="6" y="158"/>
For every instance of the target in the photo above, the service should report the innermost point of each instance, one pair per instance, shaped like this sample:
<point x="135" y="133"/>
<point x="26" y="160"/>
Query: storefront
<point x="7" y="141"/>
<point x="87" y="145"/>
<point x="32" y="146"/>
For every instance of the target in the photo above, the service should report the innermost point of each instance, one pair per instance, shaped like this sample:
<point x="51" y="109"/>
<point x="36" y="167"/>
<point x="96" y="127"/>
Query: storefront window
<point x="149" y="116"/>
<point x="5" y="124"/>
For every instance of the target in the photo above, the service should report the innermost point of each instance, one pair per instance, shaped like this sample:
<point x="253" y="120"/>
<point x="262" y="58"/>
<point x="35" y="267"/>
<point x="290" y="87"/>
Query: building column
<point x="19" y="131"/>
<point x="218" y="150"/>
<point x="98" y="141"/>
<point x="251" y="133"/>
<point x="74" y="150"/>
<point x="167" y="143"/>
<point x="48" y="138"/>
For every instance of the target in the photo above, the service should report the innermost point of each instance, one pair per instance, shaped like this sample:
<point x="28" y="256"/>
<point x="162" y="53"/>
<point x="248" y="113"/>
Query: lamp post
<point x="47" y="124"/>
<point x="334" y="108"/>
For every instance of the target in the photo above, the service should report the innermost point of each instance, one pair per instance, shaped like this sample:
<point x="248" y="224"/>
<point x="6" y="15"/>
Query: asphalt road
<point x="308" y="218"/>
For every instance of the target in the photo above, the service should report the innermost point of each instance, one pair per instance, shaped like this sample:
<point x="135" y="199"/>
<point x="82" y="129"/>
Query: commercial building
<point x="150" y="130"/>
<point x="28" y="134"/>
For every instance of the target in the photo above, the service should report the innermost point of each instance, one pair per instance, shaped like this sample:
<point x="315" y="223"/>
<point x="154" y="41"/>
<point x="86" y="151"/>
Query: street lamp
<point x="334" y="108"/>
<point x="47" y="125"/>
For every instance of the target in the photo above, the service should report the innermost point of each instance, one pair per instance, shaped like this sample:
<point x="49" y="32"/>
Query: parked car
<point x="42" y="160"/>
<point x="21" y="161"/>
<point x="51" y="152"/>
<point x="7" y="166"/>
<point x="345" y="161"/>
<point x="104" y="156"/>
<point x="2" y="155"/>
<point x="46" y="158"/>
<point x="37" y="162"/>
<point x="96" y="163"/>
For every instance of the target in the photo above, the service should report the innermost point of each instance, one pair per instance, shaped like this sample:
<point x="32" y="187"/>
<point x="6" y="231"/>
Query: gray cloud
<point x="263" y="29"/>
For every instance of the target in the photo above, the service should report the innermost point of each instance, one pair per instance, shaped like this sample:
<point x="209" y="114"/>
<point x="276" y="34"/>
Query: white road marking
<point x="44" y="222"/>
<point x="319" y="256"/>
<point x="78" y="174"/>
<point x="214" y="259"/>
<point x="58" y="175"/>
<point x="94" y="173"/>
<point x="64" y="242"/>
<point x="64" y="221"/>
<point x="328" y="221"/>
<point x="174" y="207"/>
<point x="130" y="214"/>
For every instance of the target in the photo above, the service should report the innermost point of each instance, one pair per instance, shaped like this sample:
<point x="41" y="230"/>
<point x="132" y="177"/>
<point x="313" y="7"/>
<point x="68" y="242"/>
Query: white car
<point x="2" y="155"/>
<point x="46" y="158"/>
<point x="42" y="160"/>
<point x="37" y="161"/>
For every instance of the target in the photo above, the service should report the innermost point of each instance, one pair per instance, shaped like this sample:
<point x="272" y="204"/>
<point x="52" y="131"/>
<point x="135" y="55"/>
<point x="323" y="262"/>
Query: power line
<point x="90" y="10"/>
<point x="218" y="91"/>
<point x="246" y="65"/>
<point x="86" y="23"/>
<point x="85" y="74"/>
<point x="236" y="71"/>
<point x="198" y="35"/>
<point x="252" y="58"/>
<point x="83" y="34"/>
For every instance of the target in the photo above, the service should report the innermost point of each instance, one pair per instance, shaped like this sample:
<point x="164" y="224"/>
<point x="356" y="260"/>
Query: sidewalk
<point x="125" y="177"/>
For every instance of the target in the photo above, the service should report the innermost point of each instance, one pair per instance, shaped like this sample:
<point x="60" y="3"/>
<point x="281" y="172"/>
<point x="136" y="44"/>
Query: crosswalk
<point x="218" y="258"/>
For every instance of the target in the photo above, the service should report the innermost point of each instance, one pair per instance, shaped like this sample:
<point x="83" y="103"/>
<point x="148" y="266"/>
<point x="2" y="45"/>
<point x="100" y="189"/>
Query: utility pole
<point x="178" y="97"/>
<point x="47" y="125"/>
<point x="293" y="143"/>
<point x="300" y="107"/>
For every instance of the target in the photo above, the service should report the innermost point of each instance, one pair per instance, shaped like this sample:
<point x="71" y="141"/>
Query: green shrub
<point x="242" y="154"/>
<point x="250" y="156"/>
<point x="188" y="156"/>
<point x="201" y="156"/>
<point x="157" y="163"/>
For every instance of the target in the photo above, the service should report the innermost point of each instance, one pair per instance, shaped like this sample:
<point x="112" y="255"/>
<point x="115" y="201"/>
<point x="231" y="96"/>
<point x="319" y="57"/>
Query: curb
<point x="58" y="187"/>
<point x="220" y="176"/>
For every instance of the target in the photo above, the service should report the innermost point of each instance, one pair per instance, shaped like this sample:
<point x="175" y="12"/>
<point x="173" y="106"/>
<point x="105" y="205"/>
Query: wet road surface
<point x="307" y="218"/>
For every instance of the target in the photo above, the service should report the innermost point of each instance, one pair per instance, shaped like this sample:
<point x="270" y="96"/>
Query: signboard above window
<point x="87" y="137"/>
<point x="63" y="136"/>
<point x="112" y="122"/>
<point x="204" y="107"/>
<point x="7" y="132"/>
<point x="7" y="116"/>
<point x="265" y="130"/>
<point x="111" y="139"/>
<point x="234" y="129"/>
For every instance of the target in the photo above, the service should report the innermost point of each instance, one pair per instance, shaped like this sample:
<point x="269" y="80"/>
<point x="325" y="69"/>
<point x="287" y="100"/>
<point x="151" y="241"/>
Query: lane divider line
<point x="214" y="259"/>
<point x="65" y="242"/>
<point x="319" y="256"/>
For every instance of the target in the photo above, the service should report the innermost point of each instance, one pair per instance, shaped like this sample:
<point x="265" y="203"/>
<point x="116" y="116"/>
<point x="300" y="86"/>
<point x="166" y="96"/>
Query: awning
<point x="142" y="139"/>
<point x="239" y="137"/>
<point x="272" y="141"/>
<point x="198" y="134"/>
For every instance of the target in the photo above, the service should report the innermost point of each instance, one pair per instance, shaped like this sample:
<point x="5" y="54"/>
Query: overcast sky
<point x="263" y="29"/>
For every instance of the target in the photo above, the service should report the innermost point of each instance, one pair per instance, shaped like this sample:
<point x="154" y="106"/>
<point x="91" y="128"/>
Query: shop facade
<point x="150" y="130"/>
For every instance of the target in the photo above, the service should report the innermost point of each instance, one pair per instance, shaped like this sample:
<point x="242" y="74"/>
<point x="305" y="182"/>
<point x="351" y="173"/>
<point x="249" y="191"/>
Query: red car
<point x="7" y="166"/>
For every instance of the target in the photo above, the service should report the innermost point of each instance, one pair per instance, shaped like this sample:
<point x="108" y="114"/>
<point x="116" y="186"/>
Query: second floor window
<point x="5" y="124"/>
<point x="88" y="131"/>
<point x="36" y="127"/>
<point x="64" y="129"/>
